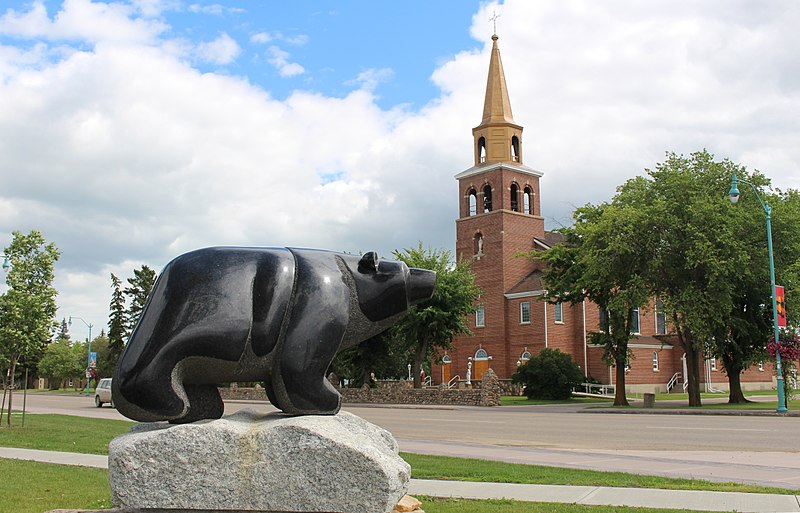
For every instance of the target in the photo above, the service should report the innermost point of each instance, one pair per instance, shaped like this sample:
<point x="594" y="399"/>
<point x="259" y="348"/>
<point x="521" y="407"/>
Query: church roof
<point x="496" y="105"/>
<point x="528" y="286"/>
<point x="519" y="168"/>
<point x="550" y="239"/>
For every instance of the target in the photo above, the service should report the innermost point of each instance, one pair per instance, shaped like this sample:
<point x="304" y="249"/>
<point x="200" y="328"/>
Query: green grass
<point x="463" y="469"/>
<point x="433" y="505"/>
<point x="760" y="405"/>
<point x="59" y="391"/>
<point x="62" y="433"/>
<point x="513" y="400"/>
<point x="31" y="487"/>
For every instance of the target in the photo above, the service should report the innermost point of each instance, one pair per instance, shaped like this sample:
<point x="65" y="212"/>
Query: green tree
<point x="106" y="362"/>
<point x="550" y="374"/>
<point x="604" y="259"/>
<point x="62" y="360"/>
<point x="703" y="263"/>
<point x="380" y="355"/>
<point x="28" y="308"/>
<point x="117" y="322"/>
<point x="137" y="291"/>
<point x="432" y="324"/>
<point x="63" y="331"/>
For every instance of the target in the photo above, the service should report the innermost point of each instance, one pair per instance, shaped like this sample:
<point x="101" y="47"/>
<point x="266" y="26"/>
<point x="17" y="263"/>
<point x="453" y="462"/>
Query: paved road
<point x="551" y="426"/>
<point x="763" y="450"/>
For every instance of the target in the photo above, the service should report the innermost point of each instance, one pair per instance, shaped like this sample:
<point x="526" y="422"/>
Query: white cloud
<point x="222" y="50"/>
<point x="261" y="38"/>
<point x="266" y="37"/>
<point x="124" y="154"/>
<point x="82" y="20"/>
<point x="214" y="9"/>
<point x="370" y="78"/>
<point x="280" y="59"/>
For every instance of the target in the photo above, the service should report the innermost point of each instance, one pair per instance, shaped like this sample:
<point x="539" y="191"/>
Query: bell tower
<point x="499" y="218"/>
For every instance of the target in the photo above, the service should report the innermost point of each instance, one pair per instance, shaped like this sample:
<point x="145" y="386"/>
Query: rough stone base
<point x="258" y="463"/>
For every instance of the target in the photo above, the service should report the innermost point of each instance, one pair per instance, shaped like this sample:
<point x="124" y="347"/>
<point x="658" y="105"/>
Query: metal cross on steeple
<point x="493" y="19"/>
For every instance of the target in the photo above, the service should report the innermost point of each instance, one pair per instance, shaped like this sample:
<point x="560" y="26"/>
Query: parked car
<point x="102" y="393"/>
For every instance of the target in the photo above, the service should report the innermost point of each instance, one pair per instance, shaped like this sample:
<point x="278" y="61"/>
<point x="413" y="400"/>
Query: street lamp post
<point x="89" y="352"/>
<point x="733" y="194"/>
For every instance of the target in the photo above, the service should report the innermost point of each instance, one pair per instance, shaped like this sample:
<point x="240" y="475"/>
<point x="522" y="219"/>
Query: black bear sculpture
<point x="277" y="315"/>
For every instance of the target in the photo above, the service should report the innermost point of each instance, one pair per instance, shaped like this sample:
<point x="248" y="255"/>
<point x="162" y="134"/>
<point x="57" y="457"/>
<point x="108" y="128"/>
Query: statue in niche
<point x="478" y="246"/>
<point x="275" y="315"/>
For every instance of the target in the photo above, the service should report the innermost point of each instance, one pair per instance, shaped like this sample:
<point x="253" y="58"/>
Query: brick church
<point x="500" y="218"/>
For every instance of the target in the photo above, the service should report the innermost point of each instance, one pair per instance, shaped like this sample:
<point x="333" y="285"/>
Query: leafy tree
<point x="63" y="331"/>
<point x="117" y="322"/>
<point x="604" y="259"/>
<point x="550" y="374"/>
<point x="62" y="361"/>
<point x="380" y="355"/>
<point x="138" y="290"/>
<point x="28" y="308"/>
<point x="702" y="260"/>
<point x="432" y="324"/>
<point x="106" y="364"/>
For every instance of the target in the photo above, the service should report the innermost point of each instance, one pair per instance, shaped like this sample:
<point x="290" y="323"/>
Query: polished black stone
<point x="275" y="315"/>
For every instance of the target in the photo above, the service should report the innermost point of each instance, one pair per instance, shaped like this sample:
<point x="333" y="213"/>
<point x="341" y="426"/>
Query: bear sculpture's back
<point x="275" y="315"/>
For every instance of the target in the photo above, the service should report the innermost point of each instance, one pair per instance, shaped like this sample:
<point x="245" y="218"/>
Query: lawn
<point x="463" y="469"/>
<point x="521" y="400"/>
<point x="62" y="433"/>
<point x="30" y="487"/>
<point x="676" y="401"/>
<point x="434" y="505"/>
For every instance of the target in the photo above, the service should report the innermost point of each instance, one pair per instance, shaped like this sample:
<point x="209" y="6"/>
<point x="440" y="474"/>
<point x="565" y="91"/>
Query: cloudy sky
<point x="133" y="131"/>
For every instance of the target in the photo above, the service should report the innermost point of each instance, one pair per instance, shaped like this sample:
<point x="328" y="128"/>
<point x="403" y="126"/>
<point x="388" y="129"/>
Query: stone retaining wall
<point x="486" y="393"/>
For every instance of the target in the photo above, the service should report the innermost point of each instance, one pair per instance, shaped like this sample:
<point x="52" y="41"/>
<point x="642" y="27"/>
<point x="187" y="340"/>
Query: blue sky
<point x="134" y="130"/>
<point x="331" y="48"/>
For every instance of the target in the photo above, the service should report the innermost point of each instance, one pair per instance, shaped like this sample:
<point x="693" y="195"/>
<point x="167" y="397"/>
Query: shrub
<point x="549" y="375"/>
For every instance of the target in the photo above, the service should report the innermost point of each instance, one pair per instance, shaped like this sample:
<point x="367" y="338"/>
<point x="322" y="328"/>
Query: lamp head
<point x="733" y="194"/>
<point x="69" y="322"/>
<point x="6" y="263"/>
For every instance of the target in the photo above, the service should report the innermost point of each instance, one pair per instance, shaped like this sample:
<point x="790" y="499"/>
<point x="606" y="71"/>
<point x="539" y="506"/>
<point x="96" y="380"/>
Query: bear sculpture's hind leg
<point x="204" y="403"/>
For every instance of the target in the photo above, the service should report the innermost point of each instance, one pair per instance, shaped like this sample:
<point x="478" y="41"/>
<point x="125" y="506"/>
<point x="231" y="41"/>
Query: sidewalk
<point x="588" y="495"/>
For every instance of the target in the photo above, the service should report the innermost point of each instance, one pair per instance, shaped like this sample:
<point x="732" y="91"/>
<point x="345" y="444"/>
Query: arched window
<point x="481" y="354"/>
<point x="487" y="198"/>
<point x="525" y="356"/>
<point x="472" y="202"/>
<point x="515" y="148"/>
<point x="514" y="197"/>
<point x="446" y="359"/>
<point x="527" y="197"/>
<point x="481" y="149"/>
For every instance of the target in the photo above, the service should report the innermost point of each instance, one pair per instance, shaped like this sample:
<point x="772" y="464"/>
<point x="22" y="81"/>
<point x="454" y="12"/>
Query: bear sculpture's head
<point x="387" y="287"/>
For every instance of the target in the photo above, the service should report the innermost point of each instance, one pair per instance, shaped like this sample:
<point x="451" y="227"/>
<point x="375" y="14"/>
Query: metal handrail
<point x="453" y="381"/>
<point x="601" y="388"/>
<point x="673" y="380"/>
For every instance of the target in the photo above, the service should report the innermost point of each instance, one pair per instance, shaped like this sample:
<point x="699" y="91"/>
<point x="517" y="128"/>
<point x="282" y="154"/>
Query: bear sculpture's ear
<point x="368" y="262"/>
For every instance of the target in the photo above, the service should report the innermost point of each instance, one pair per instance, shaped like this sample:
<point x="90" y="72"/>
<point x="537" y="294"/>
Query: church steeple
<point x="497" y="139"/>
<point x="496" y="105"/>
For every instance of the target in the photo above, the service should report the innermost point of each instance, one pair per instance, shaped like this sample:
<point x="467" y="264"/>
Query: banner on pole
<point x="780" y="304"/>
